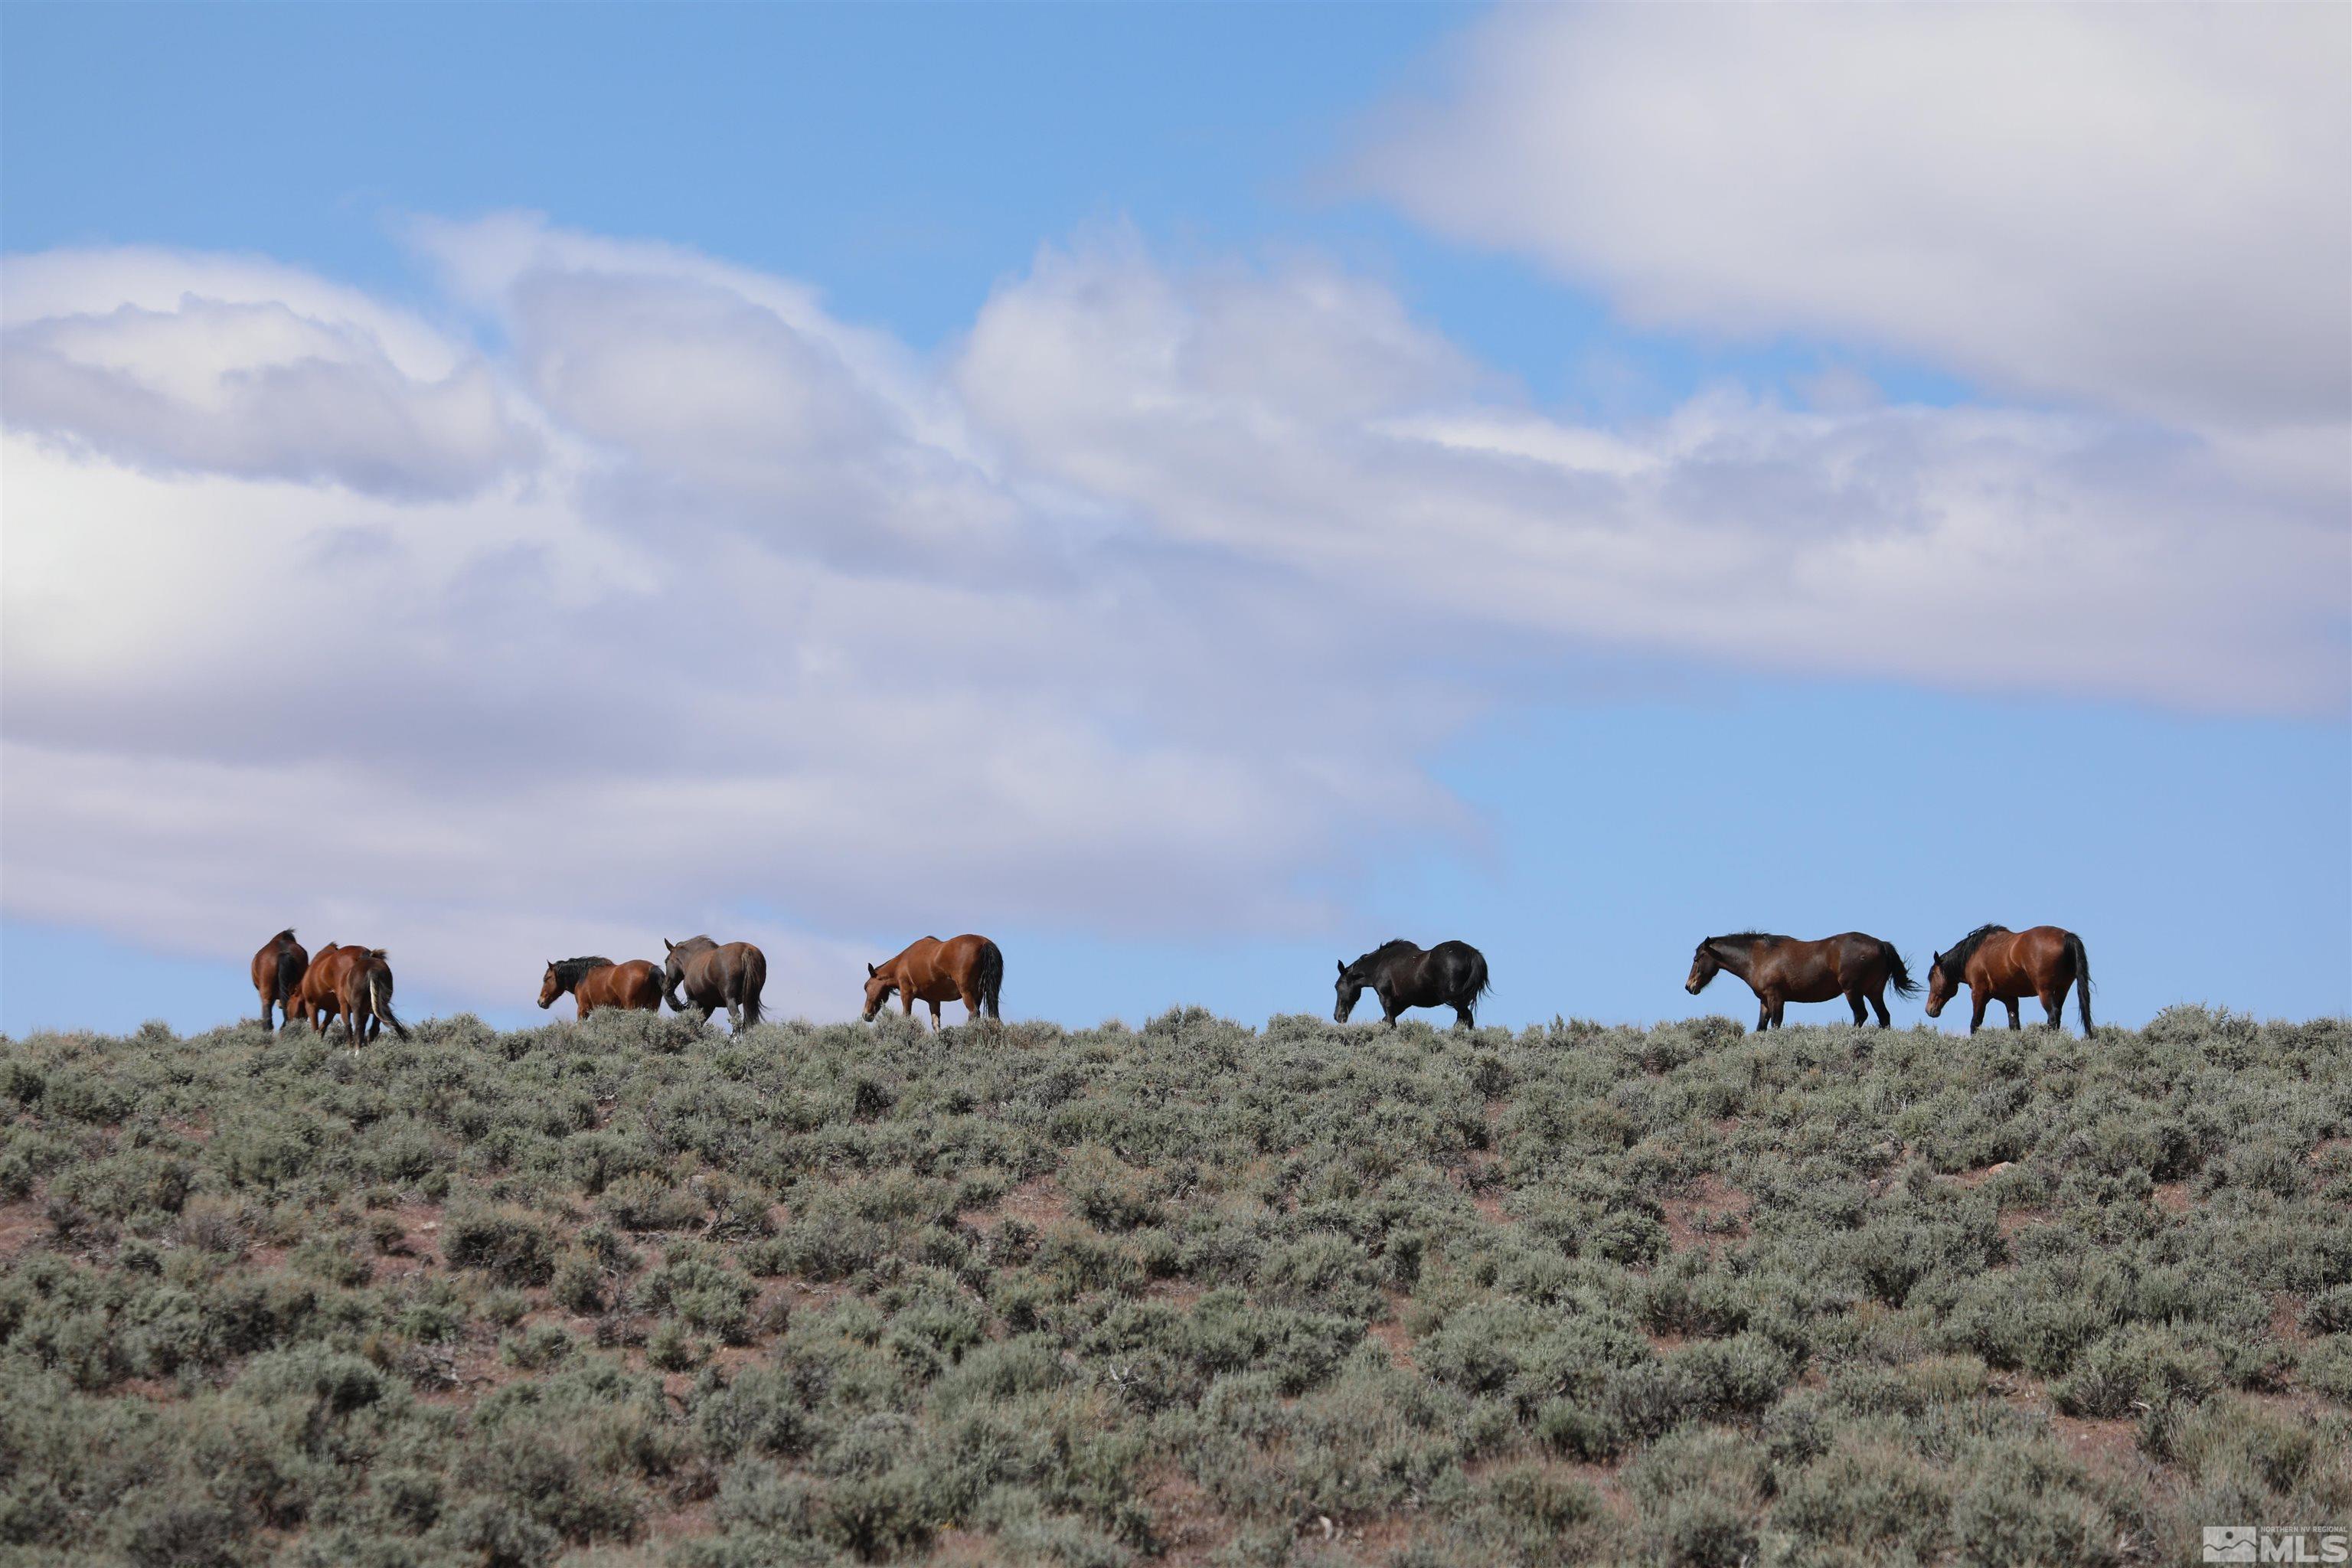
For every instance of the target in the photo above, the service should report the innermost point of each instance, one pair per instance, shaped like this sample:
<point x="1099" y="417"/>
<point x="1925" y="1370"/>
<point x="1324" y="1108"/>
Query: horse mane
<point x="1740" y="938"/>
<point x="569" y="970"/>
<point x="1390" y="949"/>
<point x="286" y="935"/>
<point x="1955" y="962"/>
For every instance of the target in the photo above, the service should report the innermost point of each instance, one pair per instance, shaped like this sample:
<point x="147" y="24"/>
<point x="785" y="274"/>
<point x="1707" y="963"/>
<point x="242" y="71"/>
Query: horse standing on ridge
<point x="1996" y="963"/>
<point x="320" y="995"/>
<point x="278" y="975"/>
<point x="1780" y="970"/>
<point x="1451" y="974"/>
<point x="967" y="969"/>
<point x="714" y="977"/>
<point x="366" y="993"/>
<point x="594" y="983"/>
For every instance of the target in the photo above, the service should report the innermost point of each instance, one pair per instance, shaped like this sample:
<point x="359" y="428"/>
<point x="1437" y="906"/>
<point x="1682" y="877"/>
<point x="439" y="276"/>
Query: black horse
<point x="1451" y="974"/>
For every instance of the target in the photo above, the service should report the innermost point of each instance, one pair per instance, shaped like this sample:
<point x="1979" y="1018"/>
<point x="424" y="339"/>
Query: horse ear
<point x="869" y="972"/>
<point x="1343" y="966"/>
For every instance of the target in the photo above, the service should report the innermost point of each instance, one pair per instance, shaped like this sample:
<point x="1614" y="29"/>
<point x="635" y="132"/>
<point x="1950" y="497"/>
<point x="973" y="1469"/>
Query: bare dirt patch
<point x="1712" y="1212"/>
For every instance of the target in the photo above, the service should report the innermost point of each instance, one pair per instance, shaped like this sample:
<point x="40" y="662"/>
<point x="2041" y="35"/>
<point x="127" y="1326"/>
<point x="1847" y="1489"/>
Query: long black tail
<point x="1897" y="975"/>
<point x="291" y="962"/>
<point x="755" y="979"/>
<point x="380" y="998"/>
<point x="990" y="975"/>
<point x="2075" y="950"/>
<point x="1478" y="973"/>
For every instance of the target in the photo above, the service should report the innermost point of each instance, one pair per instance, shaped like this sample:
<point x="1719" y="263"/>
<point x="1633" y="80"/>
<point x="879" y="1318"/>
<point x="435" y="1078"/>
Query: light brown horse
<point x="1781" y="970"/>
<point x="969" y="968"/>
<point x="1998" y="963"/>
<point x="714" y="977"/>
<point x="634" y="986"/>
<point x="319" y="996"/>
<point x="366" y="993"/>
<point x="277" y="974"/>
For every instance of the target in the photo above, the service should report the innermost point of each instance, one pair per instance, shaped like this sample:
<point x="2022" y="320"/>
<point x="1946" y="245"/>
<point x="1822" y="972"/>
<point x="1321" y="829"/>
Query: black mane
<point x="1395" y="947"/>
<point x="1742" y="937"/>
<point x="568" y="971"/>
<point x="1955" y="962"/>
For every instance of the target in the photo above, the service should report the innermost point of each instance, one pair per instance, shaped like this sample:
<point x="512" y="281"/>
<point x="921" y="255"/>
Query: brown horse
<point x="1995" y="962"/>
<point x="716" y="977"/>
<point x="319" y="996"/>
<point x="277" y="974"/>
<point x="633" y="986"/>
<point x="1781" y="970"/>
<point x="366" y="993"/>
<point x="967" y="969"/>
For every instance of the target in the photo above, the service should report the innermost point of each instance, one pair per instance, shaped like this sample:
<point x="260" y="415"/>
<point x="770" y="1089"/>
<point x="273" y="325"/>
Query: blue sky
<point x="995" y="215"/>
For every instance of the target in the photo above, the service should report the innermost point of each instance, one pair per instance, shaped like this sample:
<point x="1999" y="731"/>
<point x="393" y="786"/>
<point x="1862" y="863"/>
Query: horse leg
<point x="1878" y="1001"/>
<point x="1466" y="1014"/>
<point x="2055" y="1004"/>
<point x="1779" y="1012"/>
<point x="1763" y="1012"/>
<point x="971" y="1008"/>
<point x="1977" y="1000"/>
<point x="2014" y="1021"/>
<point x="935" y="1018"/>
<point x="1853" y="1000"/>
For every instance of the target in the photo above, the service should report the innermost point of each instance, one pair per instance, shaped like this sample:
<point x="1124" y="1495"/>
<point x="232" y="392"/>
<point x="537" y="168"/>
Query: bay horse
<point x="319" y="996"/>
<point x="277" y="974"/>
<point x="1781" y="970"/>
<point x="967" y="969"/>
<point x="716" y="977"/>
<point x="366" y="993"/>
<point x="633" y="986"/>
<point x="1451" y="974"/>
<point x="1994" y="961"/>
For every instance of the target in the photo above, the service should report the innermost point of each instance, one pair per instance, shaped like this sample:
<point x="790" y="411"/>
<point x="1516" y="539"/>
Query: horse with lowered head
<point x="715" y="976"/>
<point x="1996" y="963"/>
<point x="594" y="983"/>
<point x="1451" y="974"/>
<point x="967" y="969"/>
<point x="278" y="975"/>
<point x="1781" y="970"/>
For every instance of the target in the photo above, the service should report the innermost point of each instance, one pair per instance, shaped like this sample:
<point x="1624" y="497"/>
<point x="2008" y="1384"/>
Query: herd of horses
<point x="353" y="984"/>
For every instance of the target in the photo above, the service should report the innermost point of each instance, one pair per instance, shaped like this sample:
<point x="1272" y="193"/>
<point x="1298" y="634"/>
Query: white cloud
<point x="2140" y="207"/>
<point x="1137" y="612"/>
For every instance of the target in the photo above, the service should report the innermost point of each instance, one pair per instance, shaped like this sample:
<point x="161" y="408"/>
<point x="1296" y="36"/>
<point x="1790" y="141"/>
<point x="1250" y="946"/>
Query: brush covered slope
<point x="623" y="1292"/>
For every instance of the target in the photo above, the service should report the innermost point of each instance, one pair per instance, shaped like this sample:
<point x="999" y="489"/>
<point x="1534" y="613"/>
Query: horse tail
<point x="754" y="976"/>
<point x="988" y="976"/>
<point x="1896" y="974"/>
<point x="1478" y="972"/>
<point x="379" y="986"/>
<point x="2075" y="950"/>
<point x="291" y="965"/>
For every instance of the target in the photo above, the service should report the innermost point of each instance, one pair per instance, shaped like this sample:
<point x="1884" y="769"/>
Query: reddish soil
<point x="1712" y="1199"/>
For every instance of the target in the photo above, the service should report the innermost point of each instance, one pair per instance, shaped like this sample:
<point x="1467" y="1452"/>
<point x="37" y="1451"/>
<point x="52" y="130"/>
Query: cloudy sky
<point x="1191" y="493"/>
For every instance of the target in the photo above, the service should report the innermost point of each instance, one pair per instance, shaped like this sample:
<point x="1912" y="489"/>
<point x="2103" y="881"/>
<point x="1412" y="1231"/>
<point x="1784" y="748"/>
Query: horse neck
<point x="1740" y="958"/>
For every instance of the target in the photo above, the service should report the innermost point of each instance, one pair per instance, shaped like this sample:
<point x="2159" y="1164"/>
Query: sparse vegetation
<point x="618" y="1293"/>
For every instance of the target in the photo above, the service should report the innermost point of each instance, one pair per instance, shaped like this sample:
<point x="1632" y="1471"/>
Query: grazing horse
<point x="967" y="969"/>
<point x="1996" y="961"/>
<point x="277" y="974"/>
<point x="319" y="996"/>
<point x="716" y="977"/>
<point x="633" y="986"/>
<point x="1451" y="974"/>
<point x="366" y="993"/>
<point x="1780" y="970"/>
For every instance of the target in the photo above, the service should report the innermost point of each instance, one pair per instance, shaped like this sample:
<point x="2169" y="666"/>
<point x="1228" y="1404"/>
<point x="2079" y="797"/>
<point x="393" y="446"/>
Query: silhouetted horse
<point x="594" y="983"/>
<point x="969" y="968"/>
<point x="1994" y="961"/>
<point x="1451" y="974"/>
<point x="1780" y="970"/>
<point x="277" y="974"/>
<point x="319" y="996"/>
<point x="366" y="993"/>
<point x="716" y="977"/>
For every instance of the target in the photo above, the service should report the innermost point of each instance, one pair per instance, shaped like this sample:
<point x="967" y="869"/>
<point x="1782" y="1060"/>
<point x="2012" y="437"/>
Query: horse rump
<point x="754" y="979"/>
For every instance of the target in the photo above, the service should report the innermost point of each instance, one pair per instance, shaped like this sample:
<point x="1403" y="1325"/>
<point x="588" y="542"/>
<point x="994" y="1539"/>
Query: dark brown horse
<point x="633" y="986"/>
<point x="1994" y="961"/>
<point x="277" y="974"/>
<point x="366" y="994"/>
<point x="714" y="977"/>
<point x="1451" y="974"/>
<point x="320" y="995"/>
<point x="1781" y="970"/>
<point x="967" y="969"/>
